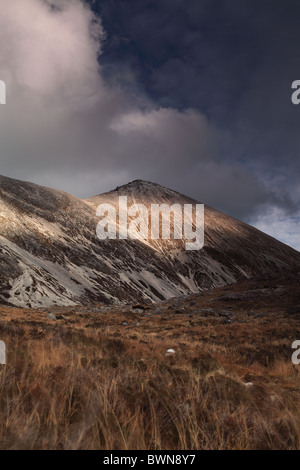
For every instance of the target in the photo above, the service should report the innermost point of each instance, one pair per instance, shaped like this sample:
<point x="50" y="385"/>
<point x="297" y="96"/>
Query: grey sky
<point x="193" y="96"/>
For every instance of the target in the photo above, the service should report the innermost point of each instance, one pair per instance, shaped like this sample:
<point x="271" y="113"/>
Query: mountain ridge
<point x="50" y="254"/>
<point x="188" y="200"/>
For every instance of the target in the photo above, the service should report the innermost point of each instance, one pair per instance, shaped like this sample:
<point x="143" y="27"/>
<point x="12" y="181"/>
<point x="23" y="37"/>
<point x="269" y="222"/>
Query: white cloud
<point x="63" y="123"/>
<point x="276" y="223"/>
<point x="48" y="51"/>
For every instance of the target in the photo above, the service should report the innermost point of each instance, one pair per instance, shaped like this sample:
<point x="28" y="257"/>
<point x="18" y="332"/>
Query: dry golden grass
<point x="88" y="382"/>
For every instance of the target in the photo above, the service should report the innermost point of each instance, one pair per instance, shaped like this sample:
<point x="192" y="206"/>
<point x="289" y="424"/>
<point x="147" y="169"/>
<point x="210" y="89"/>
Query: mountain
<point x="50" y="254"/>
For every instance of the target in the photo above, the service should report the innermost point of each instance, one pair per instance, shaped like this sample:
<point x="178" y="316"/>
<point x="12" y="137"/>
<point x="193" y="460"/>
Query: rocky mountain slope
<point x="50" y="254"/>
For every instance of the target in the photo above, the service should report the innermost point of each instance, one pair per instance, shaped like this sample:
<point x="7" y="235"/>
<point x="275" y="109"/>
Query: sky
<point x="191" y="94"/>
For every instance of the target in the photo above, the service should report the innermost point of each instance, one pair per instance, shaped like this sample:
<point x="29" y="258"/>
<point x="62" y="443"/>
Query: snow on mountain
<point x="50" y="253"/>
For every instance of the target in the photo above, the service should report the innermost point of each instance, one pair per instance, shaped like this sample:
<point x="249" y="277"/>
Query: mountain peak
<point x="143" y="191"/>
<point x="50" y="253"/>
<point x="139" y="184"/>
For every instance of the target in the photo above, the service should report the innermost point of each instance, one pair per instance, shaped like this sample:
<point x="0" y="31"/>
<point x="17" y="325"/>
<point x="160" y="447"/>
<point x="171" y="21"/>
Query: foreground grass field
<point x="99" y="378"/>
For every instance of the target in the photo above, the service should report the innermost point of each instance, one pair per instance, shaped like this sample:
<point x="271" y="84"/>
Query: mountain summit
<point x="50" y="254"/>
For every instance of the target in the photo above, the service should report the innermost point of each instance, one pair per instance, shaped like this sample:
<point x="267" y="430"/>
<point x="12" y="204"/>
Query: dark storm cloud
<point x="193" y="95"/>
<point x="204" y="54"/>
<point x="234" y="62"/>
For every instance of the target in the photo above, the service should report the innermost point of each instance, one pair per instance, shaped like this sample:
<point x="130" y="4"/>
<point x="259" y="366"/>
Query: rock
<point x="139" y="308"/>
<point x="170" y="352"/>
<point x="226" y="314"/>
<point x="205" y="310"/>
<point x="61" y="317"/>
<point x="51" y="316"/>
<point x="124" y="323"/>
<point x="249" y="384"/>
<point x="180" y="310"/>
